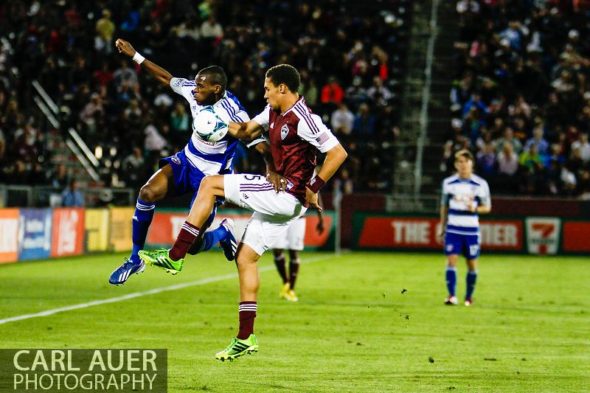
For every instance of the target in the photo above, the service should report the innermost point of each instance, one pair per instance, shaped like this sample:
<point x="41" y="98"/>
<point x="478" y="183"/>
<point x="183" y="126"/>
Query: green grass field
<point x="352" y="331"/>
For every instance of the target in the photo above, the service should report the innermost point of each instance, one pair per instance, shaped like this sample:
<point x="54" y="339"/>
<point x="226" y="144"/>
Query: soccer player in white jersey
<point x="295" y="135"/>
<point x="293" y="242"/>
<point x="182" y="173"/>
<point x="464" y="196"/>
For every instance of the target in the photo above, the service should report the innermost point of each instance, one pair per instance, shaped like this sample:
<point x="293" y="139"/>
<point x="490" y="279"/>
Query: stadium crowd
<point x="350" y="56"/>
<point x="521" y="97"/>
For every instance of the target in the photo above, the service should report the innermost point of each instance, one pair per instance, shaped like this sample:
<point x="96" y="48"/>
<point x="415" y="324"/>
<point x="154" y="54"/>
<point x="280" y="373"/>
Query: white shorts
<point x="294" y="236"/>
<point x="273" y="212"/>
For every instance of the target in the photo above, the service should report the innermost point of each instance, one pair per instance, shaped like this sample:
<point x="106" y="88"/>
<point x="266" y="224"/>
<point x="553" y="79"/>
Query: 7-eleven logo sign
<point x="543" y="235"/>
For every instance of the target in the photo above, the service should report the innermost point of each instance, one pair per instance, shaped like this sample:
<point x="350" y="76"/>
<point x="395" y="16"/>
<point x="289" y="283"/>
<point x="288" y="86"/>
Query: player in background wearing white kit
<point x="464" y="196"/>
<point x="182" y="173"/>
<point x="295" y="236"/>
<point x="293" y="242"/>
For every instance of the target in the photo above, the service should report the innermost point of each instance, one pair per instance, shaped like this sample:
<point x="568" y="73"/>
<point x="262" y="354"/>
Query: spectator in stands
<point x="532" y="165"/>
<point x="180" y="125"/>
<point x="378" y="93"/>
<point x="60" y="178"/>
<point x="91" y="112"/>
<point x="71" y="196"/>
<point x="342" y="120"/>
<point x="486" y="161"/>
<point x="583" y="147"/>
<point x="508" y="137"/>
<point x="538" y="140"/>
<point x="154" y="143"/>
<point x="343" y="183"/>
<point x="133" y="169"/>
<point x="105" y="29"/>
<point x="507" y="160"/>
<point x="308" y="89"/>
<point x="364" y="122"/>
<point x="332" y="94"/>
<point x="356" y="94"/>
<point x="125" y="77"/>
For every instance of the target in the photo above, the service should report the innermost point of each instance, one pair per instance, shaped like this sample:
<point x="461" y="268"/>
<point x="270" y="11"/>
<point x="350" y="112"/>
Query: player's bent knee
<point x="212" y="185"/>
<point x="148" y="194"/>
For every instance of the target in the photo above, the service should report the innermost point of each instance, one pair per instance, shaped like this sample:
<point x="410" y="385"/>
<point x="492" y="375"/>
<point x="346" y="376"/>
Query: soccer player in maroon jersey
<point x="295" y="134"/>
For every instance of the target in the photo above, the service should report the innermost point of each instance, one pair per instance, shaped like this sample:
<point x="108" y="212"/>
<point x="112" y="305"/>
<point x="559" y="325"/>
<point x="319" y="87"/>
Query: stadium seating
<point x="522" y="80"/>
<point x="352" y="54"/>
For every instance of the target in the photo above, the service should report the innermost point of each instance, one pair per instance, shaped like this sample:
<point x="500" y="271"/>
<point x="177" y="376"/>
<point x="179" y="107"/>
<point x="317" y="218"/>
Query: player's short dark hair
<point x="286" y="74"/>
<point x="465" y="154"/>
<point x="216" y="74"/>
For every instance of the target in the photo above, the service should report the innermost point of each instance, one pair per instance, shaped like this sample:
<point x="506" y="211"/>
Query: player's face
<point x="205" y="91"/>
<point x="272" y="94"/>
<point x="464" y="166"/>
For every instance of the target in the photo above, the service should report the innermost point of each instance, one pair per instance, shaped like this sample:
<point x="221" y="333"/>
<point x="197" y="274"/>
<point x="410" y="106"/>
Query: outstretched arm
<point x="158" y="72"/>
<point x="247" y="131"/>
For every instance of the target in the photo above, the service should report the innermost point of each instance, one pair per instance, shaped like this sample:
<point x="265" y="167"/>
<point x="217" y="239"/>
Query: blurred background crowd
<point x="521" y="95"/>
<point x="128" y="120"/>
<point x="520" y="98"/>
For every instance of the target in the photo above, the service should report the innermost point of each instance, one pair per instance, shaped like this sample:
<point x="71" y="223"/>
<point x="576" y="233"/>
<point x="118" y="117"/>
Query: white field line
<point x="144" y="293"/>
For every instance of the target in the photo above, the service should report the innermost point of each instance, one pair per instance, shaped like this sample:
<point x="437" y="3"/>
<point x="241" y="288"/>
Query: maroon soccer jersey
<point x="295" y="137"/>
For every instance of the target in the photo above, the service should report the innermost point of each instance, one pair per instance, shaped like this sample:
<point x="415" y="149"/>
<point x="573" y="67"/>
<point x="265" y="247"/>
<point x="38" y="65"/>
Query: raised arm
<point x="158" y="72"/>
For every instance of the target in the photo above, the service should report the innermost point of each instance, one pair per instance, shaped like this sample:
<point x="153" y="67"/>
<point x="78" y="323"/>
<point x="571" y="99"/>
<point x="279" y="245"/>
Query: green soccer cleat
<point x="160" y="258"/>
<point x="238" y="348"/>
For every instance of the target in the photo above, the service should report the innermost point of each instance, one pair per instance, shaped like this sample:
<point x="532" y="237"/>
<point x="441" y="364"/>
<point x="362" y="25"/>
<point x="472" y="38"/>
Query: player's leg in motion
<point x="224" y="234"/>
<point x="280" y="263"/>
<point x="451" y="279"/>
<point x="471" y="254"/>
<point x="452" y="247"/>
<point x="294" y="263"/>
<point x="172" y="260"/>
<point x="470" y="279"/>
<point x="245" y="342"/>
<point x="153" y="191"/>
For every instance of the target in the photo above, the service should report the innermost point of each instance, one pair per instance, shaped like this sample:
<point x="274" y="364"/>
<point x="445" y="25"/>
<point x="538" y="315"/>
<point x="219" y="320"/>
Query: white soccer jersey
<point x="210" y="157"/>
<point x="457" y="195"/>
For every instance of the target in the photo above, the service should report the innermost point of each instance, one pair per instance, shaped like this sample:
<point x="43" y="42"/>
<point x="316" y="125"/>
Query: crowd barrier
<point x="31" y="234"/>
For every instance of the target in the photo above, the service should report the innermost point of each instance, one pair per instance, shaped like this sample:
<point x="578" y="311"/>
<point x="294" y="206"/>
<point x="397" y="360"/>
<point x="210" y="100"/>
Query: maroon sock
<point x="247" y="315"/>
<point x="280" y="264"/>
<point x="188" y="234"/>
<point x="293" y="270"/>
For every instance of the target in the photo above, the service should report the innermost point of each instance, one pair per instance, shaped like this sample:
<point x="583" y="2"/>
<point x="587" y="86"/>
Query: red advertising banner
<point x="575" y="236"/>
<point x="421" y="233"/>
<point x="68" y="232"/>
<point x="9" y="235"/>
<point x="502" y="235"/>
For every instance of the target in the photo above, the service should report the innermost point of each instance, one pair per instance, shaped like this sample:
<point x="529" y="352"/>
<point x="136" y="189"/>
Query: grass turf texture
<point x="355" y="329"/>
